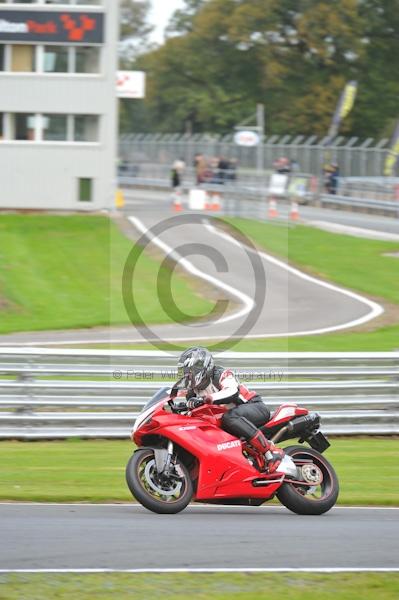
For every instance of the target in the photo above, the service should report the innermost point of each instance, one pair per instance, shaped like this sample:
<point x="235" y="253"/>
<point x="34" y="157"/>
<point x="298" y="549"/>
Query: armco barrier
<point x="47" y="394"/>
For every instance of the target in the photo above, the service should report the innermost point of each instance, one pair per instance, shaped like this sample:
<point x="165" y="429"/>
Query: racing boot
<point x="271" y="455"/>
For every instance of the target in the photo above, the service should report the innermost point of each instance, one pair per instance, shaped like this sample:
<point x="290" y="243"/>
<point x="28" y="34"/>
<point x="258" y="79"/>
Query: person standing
<point x="177" y="173"/>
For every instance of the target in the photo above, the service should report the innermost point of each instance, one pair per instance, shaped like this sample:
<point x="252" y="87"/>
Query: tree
<point x="295" y="56"/>
<point x="134" y="29"/>
<point x="182" y="20"/>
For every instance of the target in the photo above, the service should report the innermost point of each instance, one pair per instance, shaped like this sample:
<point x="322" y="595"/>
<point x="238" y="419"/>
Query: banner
<point x="130" y="84"/>
<point x="345" y="105"/>
<point x="393" y="154"/>
<point x="47" y="26"/>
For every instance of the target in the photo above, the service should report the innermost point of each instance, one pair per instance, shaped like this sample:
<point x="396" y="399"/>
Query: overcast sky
<point x="162" y="10"/>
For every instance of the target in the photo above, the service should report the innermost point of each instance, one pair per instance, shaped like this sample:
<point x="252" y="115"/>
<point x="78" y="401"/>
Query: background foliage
<point x="224" y="56"/>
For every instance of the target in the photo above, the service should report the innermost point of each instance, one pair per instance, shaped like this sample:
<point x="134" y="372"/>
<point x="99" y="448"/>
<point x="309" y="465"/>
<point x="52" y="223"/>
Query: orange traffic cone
<point x="177" y="205"/>
<point x="294" y="212"/>
<point x="216" y="203"/>
<point x="273" y="213"/>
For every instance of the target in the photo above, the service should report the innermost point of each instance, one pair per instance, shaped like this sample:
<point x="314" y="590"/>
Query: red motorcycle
<point x="184" y="455"/>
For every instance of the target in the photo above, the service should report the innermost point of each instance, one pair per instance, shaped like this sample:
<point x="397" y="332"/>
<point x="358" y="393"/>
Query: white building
<point x="58" y="105"/>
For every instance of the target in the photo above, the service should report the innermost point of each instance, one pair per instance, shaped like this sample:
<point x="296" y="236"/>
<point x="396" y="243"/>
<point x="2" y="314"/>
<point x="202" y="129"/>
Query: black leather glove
<point x="195" y="403"/>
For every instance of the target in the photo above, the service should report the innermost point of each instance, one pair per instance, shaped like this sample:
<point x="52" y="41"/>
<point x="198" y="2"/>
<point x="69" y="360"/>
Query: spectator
<point x="282" y="165"/>
<point x="200" y="168"/>
<point x="177" y="173"/>
<point x="295" y="167"/>
<point x="331" y="175"/>
<point x="232" y="172"/>
<point x="223" y="169"/>
<point x="334" y="178"/>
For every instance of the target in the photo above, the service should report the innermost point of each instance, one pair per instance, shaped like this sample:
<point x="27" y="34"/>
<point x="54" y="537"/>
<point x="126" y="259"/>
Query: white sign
<point x="278" y="184"/>
<point x="130" y="84"/>
<point x="246" y="138"/>
<point x="197" y="199"/>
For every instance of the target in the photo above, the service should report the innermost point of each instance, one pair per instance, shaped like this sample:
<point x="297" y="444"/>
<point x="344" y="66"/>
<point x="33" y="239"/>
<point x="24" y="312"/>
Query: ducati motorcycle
<point x="183" y="455"/>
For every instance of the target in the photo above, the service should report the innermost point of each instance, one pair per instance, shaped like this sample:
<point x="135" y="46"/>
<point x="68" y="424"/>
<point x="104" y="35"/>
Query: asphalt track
<point x="294" y="304"/>
<point x="130" y="537"/>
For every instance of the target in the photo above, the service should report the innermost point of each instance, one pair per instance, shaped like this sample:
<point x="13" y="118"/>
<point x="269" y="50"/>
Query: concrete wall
<point x="44" y="175"/>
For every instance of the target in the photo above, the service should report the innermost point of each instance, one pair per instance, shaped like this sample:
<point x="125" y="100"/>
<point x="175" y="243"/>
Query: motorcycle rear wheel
<point x="160" y="494"/>
<point x="305" y="500"/>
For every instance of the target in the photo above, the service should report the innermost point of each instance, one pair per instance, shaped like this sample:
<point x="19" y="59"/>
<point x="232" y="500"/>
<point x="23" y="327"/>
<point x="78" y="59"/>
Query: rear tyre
<point x="158" y="493"/>
<point x="305" y="499"/>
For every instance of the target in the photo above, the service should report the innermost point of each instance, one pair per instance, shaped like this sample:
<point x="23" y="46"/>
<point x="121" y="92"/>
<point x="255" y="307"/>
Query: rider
<point x="208" y="383"/>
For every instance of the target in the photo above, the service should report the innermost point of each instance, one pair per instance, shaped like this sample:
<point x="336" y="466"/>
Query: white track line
<point x="360" y="232"/>
<point x="214" y="570"/>
<point x="375" y="309"/>
<point x="248" y="303"/>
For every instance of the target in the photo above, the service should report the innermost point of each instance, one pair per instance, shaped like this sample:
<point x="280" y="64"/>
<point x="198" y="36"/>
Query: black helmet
<point x="195" y="366"/>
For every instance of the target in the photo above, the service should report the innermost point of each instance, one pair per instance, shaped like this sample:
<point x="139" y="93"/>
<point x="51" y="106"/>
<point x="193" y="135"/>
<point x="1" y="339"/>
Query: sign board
<point x="48" y="26"/>
<point x="298" y="187"/>
<point x="246" y="138"/>
<point x="197" y="200"/>
<point x="130" y="84"/>
<point x="278" y="184"/>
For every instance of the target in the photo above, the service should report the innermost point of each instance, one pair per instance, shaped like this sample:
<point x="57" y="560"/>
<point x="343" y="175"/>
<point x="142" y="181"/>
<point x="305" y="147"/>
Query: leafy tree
<point x="292" y="55"/>
<point x="134" y="29"/>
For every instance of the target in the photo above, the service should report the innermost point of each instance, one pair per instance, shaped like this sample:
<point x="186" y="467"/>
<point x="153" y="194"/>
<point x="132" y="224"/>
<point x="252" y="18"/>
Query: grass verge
<point x="358" y="264"/>
<point x="62" y="272"/>
<point x="232" y="586"/>
<point x="93" y="471"/>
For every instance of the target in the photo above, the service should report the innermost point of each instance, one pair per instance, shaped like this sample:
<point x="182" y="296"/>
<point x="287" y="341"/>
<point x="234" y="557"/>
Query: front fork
<point x="163" y="459"/>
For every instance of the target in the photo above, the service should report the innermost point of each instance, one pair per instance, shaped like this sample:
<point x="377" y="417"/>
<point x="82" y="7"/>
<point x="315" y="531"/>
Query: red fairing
<point x="222" y="471"/>
<point x="286" y="412"/>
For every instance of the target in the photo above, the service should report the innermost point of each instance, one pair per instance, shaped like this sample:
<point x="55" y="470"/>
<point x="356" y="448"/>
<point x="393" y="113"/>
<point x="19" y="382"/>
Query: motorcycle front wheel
<point x="157" y="492"/>
<point x="310" y="499"/>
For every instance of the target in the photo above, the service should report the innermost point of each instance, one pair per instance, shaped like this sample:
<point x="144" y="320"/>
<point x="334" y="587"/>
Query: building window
<point x="23" y="127"/>
<point x="55" y="128"/>
<point x="23" y="58"/>
<point x="87" y="59"/>
<point x="85" y="189"/>
<point x="52" y="127"/>
<point x="55" y="59"/>
<point x="86" y="128"/>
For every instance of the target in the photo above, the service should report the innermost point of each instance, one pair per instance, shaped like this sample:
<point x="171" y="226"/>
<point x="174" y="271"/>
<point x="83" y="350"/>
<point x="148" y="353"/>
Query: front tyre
<point x="310" y="499"/>
<point x="157" y="492"/>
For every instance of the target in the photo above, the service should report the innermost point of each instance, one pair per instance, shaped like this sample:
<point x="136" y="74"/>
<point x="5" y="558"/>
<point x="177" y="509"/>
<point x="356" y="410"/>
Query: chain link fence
<point x="355" y="158"/>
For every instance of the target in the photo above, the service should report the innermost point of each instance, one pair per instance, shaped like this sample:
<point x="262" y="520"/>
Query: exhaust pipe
<point x="298" y="427"/>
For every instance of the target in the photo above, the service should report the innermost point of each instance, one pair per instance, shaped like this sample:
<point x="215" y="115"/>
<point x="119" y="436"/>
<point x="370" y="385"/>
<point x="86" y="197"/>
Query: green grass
<point x="61" y="272"/>
<point x="356" y="263"/>
<point x="205" y="586"/>
<point x="385" y="339"/>
<point x="93" y="471"/>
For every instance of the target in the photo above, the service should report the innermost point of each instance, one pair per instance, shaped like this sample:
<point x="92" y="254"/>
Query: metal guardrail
<point x="256" y="188"/>
<point x="46" y="394"/>
<point x="364" y="203"/>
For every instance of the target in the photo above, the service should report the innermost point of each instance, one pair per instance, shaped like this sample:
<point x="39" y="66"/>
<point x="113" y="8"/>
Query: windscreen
<point x="165" y="391"/>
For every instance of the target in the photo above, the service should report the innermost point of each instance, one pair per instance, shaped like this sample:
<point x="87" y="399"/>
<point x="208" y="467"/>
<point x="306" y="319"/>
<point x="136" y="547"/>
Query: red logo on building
<point x="77" y="28"/>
